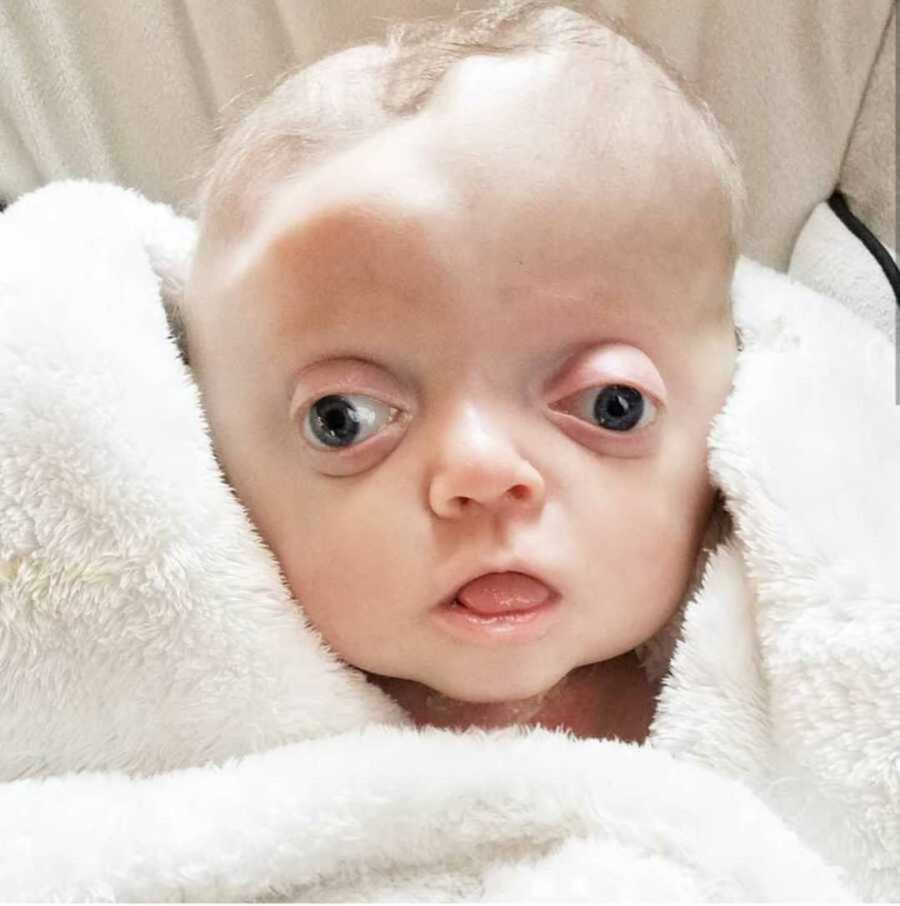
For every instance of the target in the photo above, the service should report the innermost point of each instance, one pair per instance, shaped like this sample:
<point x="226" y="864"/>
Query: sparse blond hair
<point x="347" y="96"/>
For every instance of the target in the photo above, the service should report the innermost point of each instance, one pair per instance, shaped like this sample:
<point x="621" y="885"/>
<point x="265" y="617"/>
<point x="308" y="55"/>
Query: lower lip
<point x="518" y="626"/>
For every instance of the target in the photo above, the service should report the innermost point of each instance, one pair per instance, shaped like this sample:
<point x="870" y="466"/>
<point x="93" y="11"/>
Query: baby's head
<point x="461" y="306"/>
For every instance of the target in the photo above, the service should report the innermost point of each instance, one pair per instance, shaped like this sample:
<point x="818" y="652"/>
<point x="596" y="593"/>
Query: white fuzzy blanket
<point x="207" y="746"/>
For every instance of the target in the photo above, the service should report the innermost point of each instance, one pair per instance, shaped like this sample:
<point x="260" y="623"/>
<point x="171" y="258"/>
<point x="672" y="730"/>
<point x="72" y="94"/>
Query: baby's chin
<point x="486" y="685"/>
<point x="486" y="708"/>
<point x="609" y="699"/>
<point x="497" y="708"/>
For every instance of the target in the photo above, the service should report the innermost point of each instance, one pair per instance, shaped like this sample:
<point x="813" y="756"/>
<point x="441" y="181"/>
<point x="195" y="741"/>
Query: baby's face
<point x="410" y="367"/>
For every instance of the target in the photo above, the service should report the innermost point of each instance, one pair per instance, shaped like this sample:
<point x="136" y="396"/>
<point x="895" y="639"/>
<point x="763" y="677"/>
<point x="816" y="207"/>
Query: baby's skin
<point x="488" y="338"/>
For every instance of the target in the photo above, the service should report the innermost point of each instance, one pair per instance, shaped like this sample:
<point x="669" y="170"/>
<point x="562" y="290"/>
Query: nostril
<point x="463" y="503"/>
<point x="519" y="492"/>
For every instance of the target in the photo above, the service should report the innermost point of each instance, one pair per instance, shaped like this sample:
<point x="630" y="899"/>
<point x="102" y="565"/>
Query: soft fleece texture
<point x="144" y="628"/>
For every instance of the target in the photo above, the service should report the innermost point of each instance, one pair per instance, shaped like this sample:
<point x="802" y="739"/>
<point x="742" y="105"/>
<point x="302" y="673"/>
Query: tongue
<point x="502" y="593"/>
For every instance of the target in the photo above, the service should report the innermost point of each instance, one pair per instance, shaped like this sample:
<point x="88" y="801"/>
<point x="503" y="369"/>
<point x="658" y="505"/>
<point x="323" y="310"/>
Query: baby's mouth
<point x="498" y="609"/>
<point x="502" y="595"/>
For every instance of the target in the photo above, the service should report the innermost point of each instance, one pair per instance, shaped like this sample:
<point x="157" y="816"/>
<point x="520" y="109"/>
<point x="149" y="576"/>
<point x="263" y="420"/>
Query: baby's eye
<point x="616" y="407"/>
<point x="342" y="420"/>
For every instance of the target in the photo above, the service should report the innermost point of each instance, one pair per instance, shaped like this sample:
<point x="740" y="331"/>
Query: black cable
<point x="838" y="204"/>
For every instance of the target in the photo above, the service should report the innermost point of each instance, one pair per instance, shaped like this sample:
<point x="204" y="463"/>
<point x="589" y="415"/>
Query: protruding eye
<point x="615" y="407"/>
<point x="339" y="421"/>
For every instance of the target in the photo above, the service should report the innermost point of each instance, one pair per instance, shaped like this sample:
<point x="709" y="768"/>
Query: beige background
<point x="131" y="92"/>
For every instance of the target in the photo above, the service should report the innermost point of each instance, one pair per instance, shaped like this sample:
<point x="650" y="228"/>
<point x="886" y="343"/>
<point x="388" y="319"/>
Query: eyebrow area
<point x="346" y="260"/>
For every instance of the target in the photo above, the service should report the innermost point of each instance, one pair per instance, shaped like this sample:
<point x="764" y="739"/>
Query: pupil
<point x="335" y="422"/>
<point x="618" y="407"/>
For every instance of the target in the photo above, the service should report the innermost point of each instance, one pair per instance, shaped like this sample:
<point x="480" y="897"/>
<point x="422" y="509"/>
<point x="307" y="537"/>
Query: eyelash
<point x="623" y="395"/>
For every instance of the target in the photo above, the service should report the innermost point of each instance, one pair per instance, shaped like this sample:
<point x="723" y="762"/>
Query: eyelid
<point x="616" y="363"/>
<point x="305" y="402"/>
<point x="348" y="376"/>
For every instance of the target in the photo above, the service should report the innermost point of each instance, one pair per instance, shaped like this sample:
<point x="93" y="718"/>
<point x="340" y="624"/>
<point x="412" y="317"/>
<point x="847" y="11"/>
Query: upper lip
<point x="507" y="566"/>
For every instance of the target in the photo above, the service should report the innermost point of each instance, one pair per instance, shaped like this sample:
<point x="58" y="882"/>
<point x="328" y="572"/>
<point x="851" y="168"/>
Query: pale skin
<point x="475" y="275"/>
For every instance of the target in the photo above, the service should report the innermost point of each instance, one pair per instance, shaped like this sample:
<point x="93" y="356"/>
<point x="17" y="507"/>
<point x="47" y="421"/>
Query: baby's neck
<point x="599" y="701"/>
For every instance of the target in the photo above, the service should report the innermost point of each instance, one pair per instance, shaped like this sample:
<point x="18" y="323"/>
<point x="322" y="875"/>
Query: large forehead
<point x="542" y="160"/>
<point x="532" y="148"/>
<point x="577" y="86"/>
<point x="598" y="136"/>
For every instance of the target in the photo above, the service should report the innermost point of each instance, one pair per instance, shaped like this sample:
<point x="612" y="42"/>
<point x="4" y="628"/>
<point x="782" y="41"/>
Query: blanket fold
<point x="424" y="815"/>
<point x="173" y="729"/>
<point x="807" y="453"/>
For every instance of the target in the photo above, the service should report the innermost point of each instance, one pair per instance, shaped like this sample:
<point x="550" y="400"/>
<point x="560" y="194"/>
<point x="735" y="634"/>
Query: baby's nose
<point x="481" y="469"/>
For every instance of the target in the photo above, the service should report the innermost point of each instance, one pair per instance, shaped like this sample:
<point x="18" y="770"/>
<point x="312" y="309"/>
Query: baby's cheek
<point x="641" y="530"/>
<point x="346" y="555"/>
<point x="681" y="529"/>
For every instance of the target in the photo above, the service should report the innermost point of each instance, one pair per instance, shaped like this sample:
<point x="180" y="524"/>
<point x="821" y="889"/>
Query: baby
<point x="460" y="318"/>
